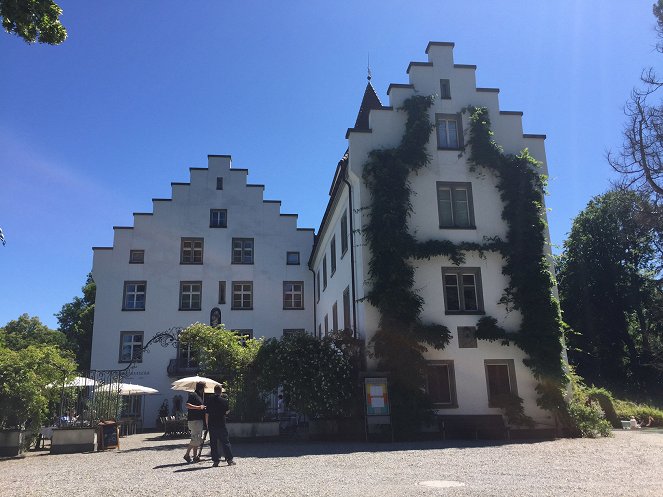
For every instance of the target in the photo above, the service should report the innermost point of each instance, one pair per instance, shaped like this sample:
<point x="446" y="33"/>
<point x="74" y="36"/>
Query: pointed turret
<point x="368" y="103"/>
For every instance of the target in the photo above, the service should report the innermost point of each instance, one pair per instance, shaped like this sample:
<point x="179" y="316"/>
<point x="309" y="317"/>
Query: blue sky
<point x="93" y="129"/>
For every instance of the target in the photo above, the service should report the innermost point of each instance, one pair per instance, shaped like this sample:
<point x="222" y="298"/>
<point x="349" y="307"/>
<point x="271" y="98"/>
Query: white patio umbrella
<point x="189" y="384"/>
<point x="133" y="389"/>
<point x="78" y="381"/>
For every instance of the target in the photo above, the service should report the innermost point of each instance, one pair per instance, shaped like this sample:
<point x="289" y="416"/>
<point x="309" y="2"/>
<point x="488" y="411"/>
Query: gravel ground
<point x="630" y="463"/>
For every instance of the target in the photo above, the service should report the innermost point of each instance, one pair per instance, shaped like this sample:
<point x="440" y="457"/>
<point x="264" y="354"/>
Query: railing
<point x="181" y="367"/>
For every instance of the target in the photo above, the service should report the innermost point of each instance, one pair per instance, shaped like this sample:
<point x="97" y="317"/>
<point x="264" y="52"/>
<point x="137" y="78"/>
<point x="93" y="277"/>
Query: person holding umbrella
<point x="195" y="416"/>
<point x="215" y="415"/>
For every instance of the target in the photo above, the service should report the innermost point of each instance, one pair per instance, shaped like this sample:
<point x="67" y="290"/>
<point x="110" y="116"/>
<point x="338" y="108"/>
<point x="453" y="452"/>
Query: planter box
<point x="253" y="430"/>
<point x="11" y="443"/>
<point x="73" y="440"/>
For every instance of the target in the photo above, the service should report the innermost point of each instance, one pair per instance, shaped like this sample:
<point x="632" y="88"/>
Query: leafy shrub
<point x="588" y="419"/>
<point x="606" y="401"/>
<point x="641" y="412"/>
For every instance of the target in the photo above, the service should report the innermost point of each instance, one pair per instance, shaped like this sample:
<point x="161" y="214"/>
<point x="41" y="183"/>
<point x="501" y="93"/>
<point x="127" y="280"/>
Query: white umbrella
<point x="132" y="389"/>
<point x="189" y="384"/>
<point x="78" y="381"/>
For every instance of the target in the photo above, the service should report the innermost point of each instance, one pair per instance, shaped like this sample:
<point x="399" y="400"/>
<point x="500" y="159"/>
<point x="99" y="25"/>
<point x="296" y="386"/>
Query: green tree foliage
<point x="33" y="20"/>
<point x="76" y="320"/>
<point x="27" y="383"/>
<point x="229" y="357"/>
<point x="25" y="331"/>
<point x="611" y="295"/>
<point x="319" y="377"/>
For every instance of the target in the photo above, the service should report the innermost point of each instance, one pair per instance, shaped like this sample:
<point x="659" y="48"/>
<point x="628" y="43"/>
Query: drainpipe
<point x="352" y="257"/>
<point x="315" y="320"/>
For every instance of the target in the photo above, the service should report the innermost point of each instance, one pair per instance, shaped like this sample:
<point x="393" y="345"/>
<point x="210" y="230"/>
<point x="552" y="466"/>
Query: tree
<point x="610" y="292"/>
<point x="33" y="20"/>
<point x="640" y="160"/>
<point x="26" y="331"/>
<point x="76" y="320"/>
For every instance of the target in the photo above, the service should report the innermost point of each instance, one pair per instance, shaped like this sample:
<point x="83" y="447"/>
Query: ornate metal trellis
<point x="95" y="395"/>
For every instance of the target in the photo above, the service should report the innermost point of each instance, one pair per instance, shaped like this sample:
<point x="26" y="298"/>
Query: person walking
<point x="195" y="415"/>
<point x="215" y="415"/>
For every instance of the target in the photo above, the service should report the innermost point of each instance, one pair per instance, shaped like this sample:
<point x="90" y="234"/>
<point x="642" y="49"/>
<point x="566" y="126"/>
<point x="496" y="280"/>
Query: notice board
<point x="377" y="397"/>
<point x="108" y="435"/>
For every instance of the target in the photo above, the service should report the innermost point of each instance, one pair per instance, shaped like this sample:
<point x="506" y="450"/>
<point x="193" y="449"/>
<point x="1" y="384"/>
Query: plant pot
<point x="73" y="440"/>
<point x="11" y="442"/>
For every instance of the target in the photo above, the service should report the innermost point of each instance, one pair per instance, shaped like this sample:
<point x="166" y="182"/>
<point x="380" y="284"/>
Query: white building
<point x="214" y="252"/>
<point x="450" y="203"/>
<point x="218" y="246"/>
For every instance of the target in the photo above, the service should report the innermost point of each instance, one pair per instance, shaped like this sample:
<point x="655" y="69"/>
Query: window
<point x="445" y="89"/>
<point x="136" y="257"/>
<point x="344" y="234"/>
<point x="317" y="283"/>
<point x="222" y="292"/>
<point x="333" y="255"/>
<point x="218" y="218"/>
<point x="293" y="294"/>
<point x="319" y="330"/>
<point x="346" y="308"/>
<point x="448" y="127"/>
<point x="335" y="316"/>
<point x="326" y="324"/>
<point x="242" y="251"/>
<point x="131" y="406"/>
<point x="462" y="290"/>
<point x="191" y="251"/>
<point x="292" y="258"/>
<point x="324" y="272"/>
<point x="242" y="295"/>
<point x="441" y="383"/>
<point x="454" y="205"/>
<point x="219" y="183"/>
<point x="186" y="358"/>
<point x="190" y="295"/>
<point x="500" y="379"/>
<point x="134" y="296"/>
<point x="293" y="331"/>
<point x="467" y="337"/>
<point x="131" y="346"/>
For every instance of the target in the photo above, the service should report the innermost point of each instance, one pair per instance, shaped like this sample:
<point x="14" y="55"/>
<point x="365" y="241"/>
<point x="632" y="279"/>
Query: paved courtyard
<point x="630" y="464"/>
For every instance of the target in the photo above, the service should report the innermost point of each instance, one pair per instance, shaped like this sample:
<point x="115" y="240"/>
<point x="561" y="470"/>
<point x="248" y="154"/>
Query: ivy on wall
<point x="402" y="338"/>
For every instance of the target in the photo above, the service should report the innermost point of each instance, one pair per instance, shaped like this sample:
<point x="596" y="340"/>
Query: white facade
<point x="465" y="366"/>
<point x="182" y="284"/>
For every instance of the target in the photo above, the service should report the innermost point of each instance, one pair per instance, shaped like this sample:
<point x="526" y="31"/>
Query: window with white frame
<point x="131" y="346"/>
<point x="190" y="295"/>
<point x="134" y="296"/>
<point x="462" y="290"/>
<point x="191" y="251"/>
<point x="441" y="383"/>
<point x="500" y="380"/>
<point x="455" y="206"/>
<point x="293" y="294"/>
<point x="448" y="131"/>
<point x="242" y="251"/>
<point x="186" y="357"/>
<point x="242" y="295"/>
<point x="218" y="218"/>
<point x="136" y="257"/>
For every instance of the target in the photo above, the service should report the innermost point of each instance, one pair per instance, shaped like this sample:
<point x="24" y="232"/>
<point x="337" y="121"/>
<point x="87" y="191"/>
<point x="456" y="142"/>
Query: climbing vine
<point x="402" y="338"/>
<point x="530" y="288"/>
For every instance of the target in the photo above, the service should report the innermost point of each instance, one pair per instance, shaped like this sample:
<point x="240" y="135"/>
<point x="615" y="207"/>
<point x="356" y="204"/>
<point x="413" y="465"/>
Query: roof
<point x="369" y="102"/>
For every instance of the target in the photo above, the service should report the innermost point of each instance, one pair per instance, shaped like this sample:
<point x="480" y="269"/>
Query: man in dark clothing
<point x="216" y="409"/>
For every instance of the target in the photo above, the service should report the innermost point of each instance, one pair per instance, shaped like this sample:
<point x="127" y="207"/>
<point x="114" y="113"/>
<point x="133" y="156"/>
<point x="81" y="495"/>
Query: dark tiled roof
<point x="368" y="103"/>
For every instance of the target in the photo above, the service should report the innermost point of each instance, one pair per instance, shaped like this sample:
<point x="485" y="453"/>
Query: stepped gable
<point x="206" y="177"/>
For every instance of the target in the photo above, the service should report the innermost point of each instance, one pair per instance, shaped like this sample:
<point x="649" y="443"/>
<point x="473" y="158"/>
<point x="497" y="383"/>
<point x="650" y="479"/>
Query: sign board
<point x="377" y="397"/>
<point x="108" y="435"/>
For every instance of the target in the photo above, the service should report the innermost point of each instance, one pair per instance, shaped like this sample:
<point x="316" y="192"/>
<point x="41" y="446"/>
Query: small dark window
<point x="335" y="316"/>
<point x="333" y="255"/>
<point x="136" y="257"/>
<point x="500" y="379"/>
<point x="440" y="383"/>
<point x="467" y="337"/>
<point x="218" y="218"/>
<point x="222" y="292"/>
<point x="344" y="234"/>
<point x="292" y="258"/>
<point x="346" y="308"/>
<point x="326" y="324"/>
<point x="445" y="89"/>
<point x="324" y="272"/>
<point x="317" y="285"/>
<point x="219" y="183"/>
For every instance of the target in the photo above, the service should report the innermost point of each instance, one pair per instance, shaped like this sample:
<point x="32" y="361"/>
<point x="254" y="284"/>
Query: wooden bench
<point x="473" y="427"/>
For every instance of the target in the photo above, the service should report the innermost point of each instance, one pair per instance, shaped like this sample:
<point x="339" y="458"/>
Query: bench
<point x="626" y="425"/>
<point x="473" y="427"/>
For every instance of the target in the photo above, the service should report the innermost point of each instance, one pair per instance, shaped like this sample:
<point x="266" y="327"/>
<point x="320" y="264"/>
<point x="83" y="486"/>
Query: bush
<point x="625" y="409"/>
<point x="588" y="419"/>
<point x="606" y="401"/>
